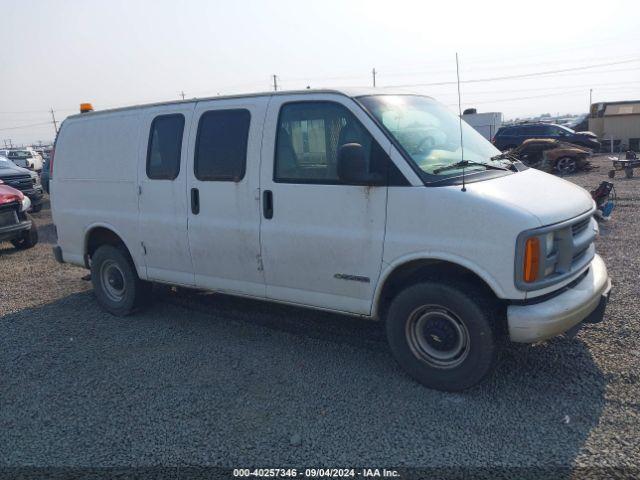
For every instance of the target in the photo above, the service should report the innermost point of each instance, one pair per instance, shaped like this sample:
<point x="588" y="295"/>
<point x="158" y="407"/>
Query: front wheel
<point x="115" y="281"/>
<point x="566" y="165"/>
<point x="446" y="337"/>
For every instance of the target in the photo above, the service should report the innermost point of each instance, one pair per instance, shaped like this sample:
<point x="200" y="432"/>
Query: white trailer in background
<point x="487" y="124"/>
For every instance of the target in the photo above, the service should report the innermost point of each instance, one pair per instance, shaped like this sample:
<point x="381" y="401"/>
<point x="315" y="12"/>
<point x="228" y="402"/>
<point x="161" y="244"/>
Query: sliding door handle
<point x="267" y="204"/>
<point x="195" y="201"/>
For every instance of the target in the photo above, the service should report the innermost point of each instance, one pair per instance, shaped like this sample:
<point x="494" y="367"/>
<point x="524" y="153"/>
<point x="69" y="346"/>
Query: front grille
<point x="574" y="247"/>
<point x="580" y="226"/>
<point x="8" y="216"/>
<point x="23" y="182"/>
<point x="571" y="251"/>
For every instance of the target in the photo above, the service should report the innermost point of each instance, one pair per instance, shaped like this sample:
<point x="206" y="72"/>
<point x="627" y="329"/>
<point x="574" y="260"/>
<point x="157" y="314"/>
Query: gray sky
<point x="113" y="53"/>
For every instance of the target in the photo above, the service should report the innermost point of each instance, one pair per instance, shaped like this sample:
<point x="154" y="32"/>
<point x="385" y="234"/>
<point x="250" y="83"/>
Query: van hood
<point x="549" y="198"/>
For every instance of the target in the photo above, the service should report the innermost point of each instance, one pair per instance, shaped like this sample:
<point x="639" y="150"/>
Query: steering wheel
<point x="425" y="145"/>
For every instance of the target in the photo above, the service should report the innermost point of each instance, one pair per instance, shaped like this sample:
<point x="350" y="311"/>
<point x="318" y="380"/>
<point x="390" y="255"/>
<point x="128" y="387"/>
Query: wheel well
<point x="99" y="236"/>
<point x="420" y="270"/>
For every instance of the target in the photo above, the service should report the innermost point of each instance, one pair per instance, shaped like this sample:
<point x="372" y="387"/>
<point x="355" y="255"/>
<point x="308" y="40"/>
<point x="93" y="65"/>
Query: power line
<point x="513" y="99"/>
<point x="394" y="73"/>
<point x="522" y="75"/>
<point x="602" y="86"/>
<point x="26" y="126"/>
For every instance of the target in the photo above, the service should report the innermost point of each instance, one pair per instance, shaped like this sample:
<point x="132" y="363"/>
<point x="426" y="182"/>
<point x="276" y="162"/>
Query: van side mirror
<point x="353" y="168"/>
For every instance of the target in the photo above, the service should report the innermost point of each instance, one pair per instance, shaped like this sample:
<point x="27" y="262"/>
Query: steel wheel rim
<point x="566" y="165"/>
<point x="437" y="336"/>
<point x="113" y="280"/>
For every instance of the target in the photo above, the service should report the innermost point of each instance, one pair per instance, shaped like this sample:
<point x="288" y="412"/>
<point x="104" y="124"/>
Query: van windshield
<point x="430" y="134"/>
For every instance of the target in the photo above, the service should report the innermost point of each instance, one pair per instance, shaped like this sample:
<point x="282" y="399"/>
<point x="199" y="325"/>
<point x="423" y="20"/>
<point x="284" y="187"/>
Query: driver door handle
<point x="195" y="201"/>
<point x="267" y="204"/>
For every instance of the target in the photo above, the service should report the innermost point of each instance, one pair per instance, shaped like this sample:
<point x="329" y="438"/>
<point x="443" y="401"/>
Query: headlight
<point x="547" y="255"/>
<point x="548" y="241"/>
<point x="26" y="204"/>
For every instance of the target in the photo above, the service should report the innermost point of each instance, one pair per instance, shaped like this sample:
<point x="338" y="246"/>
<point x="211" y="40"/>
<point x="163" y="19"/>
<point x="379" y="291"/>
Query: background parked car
<point x="15" y="223"/>
<point x="551" y="155"/>
<point x="26" y="159"/>
<point x="512" y="136"/>
<point x="24" y="180"/>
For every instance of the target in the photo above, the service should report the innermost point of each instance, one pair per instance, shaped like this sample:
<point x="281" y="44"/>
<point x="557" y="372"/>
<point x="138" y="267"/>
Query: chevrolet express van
<point x="365" y="202"/>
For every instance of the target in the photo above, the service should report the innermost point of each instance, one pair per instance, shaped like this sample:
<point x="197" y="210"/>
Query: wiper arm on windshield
<point x="467" y="163"/>
<point x="506" y="156"/>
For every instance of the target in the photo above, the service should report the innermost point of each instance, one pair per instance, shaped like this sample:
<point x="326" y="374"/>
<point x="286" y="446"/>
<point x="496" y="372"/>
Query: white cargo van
<point x="359" y="202"/>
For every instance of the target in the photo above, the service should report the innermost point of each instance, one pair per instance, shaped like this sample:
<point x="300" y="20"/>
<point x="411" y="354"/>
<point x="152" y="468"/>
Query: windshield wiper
<point x="506" y="156"/>
<point x="468" y="163"/>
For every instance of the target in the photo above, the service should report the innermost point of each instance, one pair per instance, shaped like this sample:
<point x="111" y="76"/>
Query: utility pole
<point x="590" y="98"/>
<point x="182" y="94"/>
<point x="373" y="72"/>
<point x="55" y="124"/>
<point x="275" y="83"/>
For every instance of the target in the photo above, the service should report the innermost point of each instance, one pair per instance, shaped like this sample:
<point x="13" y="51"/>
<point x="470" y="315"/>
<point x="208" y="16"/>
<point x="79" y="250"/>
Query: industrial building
<point x="617" y="124"/>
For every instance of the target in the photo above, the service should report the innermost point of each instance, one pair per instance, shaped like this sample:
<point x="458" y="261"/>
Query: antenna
<point x="464" y="187"/>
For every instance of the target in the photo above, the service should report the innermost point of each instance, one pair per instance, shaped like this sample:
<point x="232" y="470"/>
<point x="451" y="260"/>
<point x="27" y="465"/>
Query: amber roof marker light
<point x="86" y="107"/>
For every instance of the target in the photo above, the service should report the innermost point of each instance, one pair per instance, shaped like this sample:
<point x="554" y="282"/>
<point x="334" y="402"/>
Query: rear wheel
<point x="566" y="165"/>
<point x="444" y="336"/>
<point x="28" y="238"/>
<point x="116" y="284"/>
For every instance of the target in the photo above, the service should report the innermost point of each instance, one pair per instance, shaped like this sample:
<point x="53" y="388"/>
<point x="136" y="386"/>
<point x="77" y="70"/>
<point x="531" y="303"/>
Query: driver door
<point x="321" y="239"/>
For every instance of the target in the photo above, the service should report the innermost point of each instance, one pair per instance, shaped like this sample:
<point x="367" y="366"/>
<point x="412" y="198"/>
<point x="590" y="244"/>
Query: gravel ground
<point x="204" y="379"/>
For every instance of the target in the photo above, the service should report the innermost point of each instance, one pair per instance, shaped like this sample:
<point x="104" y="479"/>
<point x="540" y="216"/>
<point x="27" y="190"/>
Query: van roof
<point x="348" y="92"/>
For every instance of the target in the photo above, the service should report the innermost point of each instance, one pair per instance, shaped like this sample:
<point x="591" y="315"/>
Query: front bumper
<point x="14" y="231"/>
<point x="537" y="322"/>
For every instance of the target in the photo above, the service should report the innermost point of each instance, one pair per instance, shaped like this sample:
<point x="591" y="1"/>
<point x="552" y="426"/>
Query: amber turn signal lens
<point x="531" y="259"/>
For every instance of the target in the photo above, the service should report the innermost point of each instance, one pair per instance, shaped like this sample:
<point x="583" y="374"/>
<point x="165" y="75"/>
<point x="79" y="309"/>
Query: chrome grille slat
<point x="580" y="226"/>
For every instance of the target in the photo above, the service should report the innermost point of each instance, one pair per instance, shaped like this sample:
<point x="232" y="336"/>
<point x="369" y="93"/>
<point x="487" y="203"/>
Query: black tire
<point x="628" y="172"/>
<point x="427" y="317"/>
<point x="566" y="165"/>
<point x="612" y="173"/>
<point x="28" y="238"/>
<point x="116" y="284"/>
<point x="36" y="208"/>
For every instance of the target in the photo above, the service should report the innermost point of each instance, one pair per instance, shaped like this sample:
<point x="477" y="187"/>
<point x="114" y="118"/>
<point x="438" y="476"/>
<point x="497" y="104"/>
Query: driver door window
<point x="309" y="137"/>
